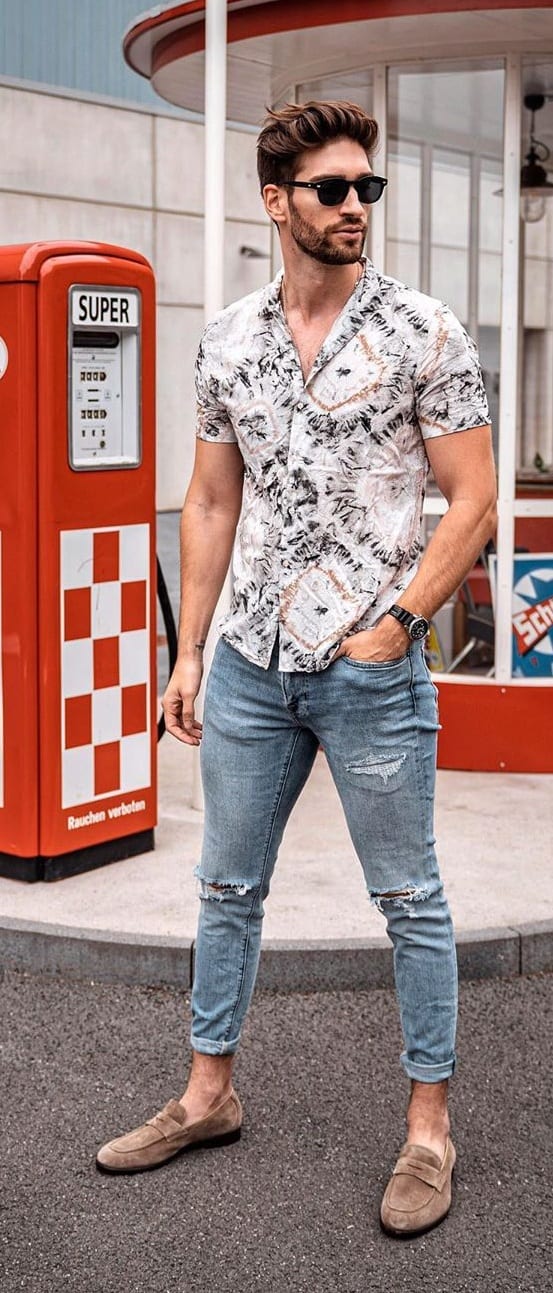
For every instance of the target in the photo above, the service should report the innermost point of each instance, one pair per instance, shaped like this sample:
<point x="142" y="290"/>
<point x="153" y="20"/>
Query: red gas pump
<point x="77" y="536"/>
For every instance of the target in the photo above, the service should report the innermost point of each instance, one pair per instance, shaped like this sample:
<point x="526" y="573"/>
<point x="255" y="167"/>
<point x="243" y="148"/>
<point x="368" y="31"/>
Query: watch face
<point x="418" y="628"/>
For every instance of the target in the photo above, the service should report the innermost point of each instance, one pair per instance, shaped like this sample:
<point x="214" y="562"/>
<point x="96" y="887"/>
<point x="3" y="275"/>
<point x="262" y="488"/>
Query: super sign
<point x="104" y="307"/>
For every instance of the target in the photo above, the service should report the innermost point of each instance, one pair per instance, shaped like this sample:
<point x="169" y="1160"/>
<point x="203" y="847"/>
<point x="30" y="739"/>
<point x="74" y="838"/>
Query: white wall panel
<point x="179" y="259"/>
<point x="178" y="334"/>
<point x="450" y="202"/>
<point x="489" y="290"/>
<point x="404" y="192"/>
<point x="179" y="184"/>
<point x="536" y="304"/>
<point x="243" y="199"/>
<point x="243" y="275"/>
<point x="449" y="279"/>
<point x="490" y="215"/>
<point x="179" y="168"/>
<point x="86" y="150"/>
<point x="403" y="262"/>
<point x="33" y="219"/>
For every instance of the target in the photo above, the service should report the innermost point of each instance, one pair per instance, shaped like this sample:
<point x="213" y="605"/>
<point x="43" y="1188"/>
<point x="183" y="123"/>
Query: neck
<point x="313" y="289"/>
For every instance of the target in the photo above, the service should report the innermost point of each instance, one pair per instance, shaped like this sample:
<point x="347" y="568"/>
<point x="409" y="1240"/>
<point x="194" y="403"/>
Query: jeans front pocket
<point x="373" y="665"/>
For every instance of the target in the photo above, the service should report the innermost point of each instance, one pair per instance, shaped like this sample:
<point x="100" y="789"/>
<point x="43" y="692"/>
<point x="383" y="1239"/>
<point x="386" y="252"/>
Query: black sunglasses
<point x="332" y="192"/>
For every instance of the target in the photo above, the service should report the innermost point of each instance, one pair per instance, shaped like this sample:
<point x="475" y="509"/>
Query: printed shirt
<point x="334" y="467"/>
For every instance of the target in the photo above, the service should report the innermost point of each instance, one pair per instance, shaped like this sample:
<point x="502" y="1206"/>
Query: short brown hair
<point x="297" y="127"/>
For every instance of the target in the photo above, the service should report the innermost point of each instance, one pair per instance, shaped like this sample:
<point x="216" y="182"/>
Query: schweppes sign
<point x="532" y="615"/>
<point x="531" y="626"/>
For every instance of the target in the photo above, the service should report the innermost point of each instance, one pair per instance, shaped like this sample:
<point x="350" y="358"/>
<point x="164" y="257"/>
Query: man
<point x="322" y="400"/>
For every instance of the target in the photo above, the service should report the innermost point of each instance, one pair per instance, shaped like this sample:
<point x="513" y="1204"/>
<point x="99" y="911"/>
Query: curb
<point x="296" y="966"/>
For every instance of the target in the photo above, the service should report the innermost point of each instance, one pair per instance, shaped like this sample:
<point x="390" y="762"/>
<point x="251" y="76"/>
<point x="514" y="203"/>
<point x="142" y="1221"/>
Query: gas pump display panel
<point x="104" y="378"/>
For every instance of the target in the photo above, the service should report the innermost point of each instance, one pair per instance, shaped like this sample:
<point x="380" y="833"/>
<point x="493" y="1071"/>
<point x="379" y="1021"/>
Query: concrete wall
<point x="75" y="169"/>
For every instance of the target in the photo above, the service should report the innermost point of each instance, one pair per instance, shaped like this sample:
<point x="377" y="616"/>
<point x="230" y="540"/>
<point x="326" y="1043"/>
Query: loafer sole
<point x="211" y="1142"/>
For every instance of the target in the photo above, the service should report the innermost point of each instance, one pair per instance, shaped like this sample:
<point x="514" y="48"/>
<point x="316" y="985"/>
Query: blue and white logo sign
<point x="533" y="615"/>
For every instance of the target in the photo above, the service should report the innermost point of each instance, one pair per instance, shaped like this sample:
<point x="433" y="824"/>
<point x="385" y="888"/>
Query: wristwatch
<point x="415" y="625"/>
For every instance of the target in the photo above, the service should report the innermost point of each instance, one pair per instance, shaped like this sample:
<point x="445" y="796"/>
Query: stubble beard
<point x="320" y="245"/>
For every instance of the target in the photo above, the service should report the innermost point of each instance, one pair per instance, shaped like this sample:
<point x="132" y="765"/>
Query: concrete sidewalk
<point x="136" y="919"/>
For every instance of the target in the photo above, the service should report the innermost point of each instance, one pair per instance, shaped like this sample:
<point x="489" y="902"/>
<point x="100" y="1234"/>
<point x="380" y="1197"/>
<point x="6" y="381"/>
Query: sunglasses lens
<point x="332" y="192"/>
<point x="370" y="190"/>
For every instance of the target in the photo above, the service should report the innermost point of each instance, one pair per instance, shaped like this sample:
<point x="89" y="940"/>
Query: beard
<point x="320" y="244"/>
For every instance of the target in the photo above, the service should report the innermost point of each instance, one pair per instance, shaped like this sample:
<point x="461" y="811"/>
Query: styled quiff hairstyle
<point x="290" y="131"/>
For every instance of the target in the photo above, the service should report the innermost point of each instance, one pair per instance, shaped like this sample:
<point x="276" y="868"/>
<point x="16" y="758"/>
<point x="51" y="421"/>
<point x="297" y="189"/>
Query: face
<point x="331" y="235"/>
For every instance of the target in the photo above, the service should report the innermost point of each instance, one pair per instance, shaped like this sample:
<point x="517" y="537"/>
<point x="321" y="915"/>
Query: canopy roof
<point x="275" y="45"/>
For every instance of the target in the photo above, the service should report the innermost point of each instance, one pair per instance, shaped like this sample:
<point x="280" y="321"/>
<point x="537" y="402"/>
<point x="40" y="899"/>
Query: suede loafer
<point x="418" y="1194"/>
<point x="168" y="1133"/>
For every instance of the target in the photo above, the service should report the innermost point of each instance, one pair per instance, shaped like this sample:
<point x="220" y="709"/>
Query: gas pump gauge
<point x="104" y="378"/>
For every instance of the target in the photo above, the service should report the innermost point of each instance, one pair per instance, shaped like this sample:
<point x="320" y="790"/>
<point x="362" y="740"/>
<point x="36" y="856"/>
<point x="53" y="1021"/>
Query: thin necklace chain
<point x="283" y="289"/>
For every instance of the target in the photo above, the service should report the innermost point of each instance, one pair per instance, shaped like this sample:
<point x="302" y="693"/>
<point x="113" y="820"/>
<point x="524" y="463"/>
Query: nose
<point x="351" y="204"/>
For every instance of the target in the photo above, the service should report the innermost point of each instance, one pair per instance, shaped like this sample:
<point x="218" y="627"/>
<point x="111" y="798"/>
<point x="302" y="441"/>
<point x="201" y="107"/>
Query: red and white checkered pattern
<point x="105" y="665"/>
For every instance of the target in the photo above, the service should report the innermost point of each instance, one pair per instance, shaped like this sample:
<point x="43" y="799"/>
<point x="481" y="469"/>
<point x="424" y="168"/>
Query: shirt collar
<point x="365" y="296"/>
<point x="366" y="288"/>
<point x="270" y="296"/>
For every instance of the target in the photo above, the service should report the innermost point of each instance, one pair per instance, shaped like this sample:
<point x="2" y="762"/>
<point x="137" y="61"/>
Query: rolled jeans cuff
<point x="207" y="1047"/>
<point x="428" y="1072"/>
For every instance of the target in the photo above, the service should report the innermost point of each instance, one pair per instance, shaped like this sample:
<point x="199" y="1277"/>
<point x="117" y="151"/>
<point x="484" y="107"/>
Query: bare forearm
<point x="460" y="536"/>
<point x="207" y="537"/>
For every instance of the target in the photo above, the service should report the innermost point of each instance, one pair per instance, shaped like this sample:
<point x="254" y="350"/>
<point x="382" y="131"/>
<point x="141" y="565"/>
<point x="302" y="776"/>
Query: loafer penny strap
<point x="422" y="1171"/>
<point x="164" y="1123"/>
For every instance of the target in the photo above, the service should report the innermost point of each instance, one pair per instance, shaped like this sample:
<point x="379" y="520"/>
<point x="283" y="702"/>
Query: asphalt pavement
<point x="294" y="1204"/>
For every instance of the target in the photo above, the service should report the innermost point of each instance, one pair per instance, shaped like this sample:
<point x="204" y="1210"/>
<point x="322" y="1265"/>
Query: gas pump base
<point x="67" y="864"/>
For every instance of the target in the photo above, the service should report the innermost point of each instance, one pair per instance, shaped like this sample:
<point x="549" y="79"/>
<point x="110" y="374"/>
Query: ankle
<point x="207" y="1090"/>
<point x="427" y="1116"/>
<point x="421" y="1111"/>
<point x="210" y="1080"/>
<point x="436" y="1126"/>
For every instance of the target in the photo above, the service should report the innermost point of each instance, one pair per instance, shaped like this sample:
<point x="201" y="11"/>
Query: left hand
<point x="386" y="642"/>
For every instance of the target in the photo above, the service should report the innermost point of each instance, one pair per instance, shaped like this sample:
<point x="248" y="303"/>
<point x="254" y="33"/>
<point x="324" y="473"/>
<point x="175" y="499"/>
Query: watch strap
<point x="407" y="619"/>
<point x="399" y="613"/>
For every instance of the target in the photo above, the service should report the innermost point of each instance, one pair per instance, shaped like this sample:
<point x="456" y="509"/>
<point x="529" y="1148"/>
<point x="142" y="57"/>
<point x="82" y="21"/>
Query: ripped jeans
<point x="377" y="724"/>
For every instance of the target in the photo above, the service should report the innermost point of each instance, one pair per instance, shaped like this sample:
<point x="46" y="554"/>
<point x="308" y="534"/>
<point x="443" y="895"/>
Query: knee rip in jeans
<point x="405" y="899"/>
<point x="217" y="892"/>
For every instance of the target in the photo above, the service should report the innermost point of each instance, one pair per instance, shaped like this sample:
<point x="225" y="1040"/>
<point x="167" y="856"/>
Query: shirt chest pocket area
<point x="370" y="375"/>
<point x="257" y="427"/>
<point x="350" y="377"/>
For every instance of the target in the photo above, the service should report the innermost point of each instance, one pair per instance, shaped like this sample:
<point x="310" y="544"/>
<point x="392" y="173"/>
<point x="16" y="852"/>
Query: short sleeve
<point x="212" y="420"/>
<point x="449" y="387"/>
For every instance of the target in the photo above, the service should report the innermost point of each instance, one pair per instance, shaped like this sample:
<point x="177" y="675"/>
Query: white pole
<point x="510" y="305"/>
<point x="378" y="214"/>
<point x="214" y="180"/>
<point x="214" y="248"/>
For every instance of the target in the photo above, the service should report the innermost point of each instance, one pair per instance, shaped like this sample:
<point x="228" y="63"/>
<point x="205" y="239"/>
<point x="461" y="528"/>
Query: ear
<point x="276" y="203"/>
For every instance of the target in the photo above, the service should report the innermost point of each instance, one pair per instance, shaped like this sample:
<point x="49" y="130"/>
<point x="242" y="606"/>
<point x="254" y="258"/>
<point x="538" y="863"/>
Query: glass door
<point x="444" y="237"/>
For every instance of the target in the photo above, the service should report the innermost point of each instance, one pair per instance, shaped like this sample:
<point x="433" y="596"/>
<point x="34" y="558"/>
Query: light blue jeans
<point x="377" y="724"/>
